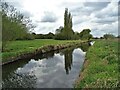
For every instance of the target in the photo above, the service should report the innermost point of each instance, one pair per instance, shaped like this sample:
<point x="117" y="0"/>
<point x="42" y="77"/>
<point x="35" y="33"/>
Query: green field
<point x="15" y="48"/>
<point x="101" y="69"/>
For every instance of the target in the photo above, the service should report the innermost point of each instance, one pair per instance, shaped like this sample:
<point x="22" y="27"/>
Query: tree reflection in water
<point x="68" y="60"/>
<point x="68" y="57"/>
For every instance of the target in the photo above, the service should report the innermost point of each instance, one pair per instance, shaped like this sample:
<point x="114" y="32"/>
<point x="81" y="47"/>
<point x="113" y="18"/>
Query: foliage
<point x="108" y="36"/>
<point x="68" y="32"/>
<point x="76" y="36"/>
<point x="15" y="26"/>
<point x="85" y="34"/>
<point x="59" y="34"/>
<point x="44" y="36"/>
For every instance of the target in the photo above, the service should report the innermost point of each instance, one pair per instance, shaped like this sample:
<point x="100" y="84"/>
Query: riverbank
<point x="17" y="50"/>
<point x="100" y="69"/>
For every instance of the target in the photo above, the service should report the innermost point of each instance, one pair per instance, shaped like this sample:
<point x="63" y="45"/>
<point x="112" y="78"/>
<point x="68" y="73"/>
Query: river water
<point x="57" y="69"/>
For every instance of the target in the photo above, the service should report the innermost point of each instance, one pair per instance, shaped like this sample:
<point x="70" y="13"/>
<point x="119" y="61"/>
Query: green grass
<point x="102" y="69"/>
<point x="16" y="48"/>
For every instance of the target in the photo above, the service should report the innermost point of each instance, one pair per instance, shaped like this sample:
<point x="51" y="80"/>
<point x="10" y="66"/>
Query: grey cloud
<point x="97" y="33"/>
<point x="70" y="5"/>
<point x="114" y="14"/>
<point x="49" y="17"/>
<point x="88" y="8"/>
<point x="96" y="5"/>
<point x="80" y="11"/>
<point x="44" y="29"/>
<point x="106" y="20"/>
<point x="37" y="21"/>
<point x="26" y="13"/>
<point x="77" y="22"/>
<point x="75" y="8"/>
<point x="101" y="32"/>
<point x="107" y="14"/>
<point x="109" y="11"/>
<point x="113" y="31"/>
<point x="108" y="28"/>
<point x="16" y="3"/>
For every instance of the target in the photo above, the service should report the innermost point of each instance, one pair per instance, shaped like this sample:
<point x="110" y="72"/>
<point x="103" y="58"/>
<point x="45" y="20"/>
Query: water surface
<point x="52" y="70"/>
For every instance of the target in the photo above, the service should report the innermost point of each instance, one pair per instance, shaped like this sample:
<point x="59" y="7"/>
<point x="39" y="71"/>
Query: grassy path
<point x="16" y="48"/>
<point x="101" y="67"/>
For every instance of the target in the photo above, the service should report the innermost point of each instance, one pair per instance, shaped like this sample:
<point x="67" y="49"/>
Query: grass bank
<point x="101" y="66"/>
<point x="16" y="48"/>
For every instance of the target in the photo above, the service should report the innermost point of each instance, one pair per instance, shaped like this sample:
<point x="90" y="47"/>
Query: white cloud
<point x="49" y="17"/>
<point x="98" y="15"/>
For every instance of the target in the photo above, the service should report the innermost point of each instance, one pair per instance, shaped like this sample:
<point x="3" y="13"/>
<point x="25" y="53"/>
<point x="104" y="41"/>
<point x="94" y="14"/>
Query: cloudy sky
<point x="101" y="16"/>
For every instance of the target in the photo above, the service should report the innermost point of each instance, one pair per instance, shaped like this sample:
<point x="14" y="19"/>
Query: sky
<point x="101" y="16"/>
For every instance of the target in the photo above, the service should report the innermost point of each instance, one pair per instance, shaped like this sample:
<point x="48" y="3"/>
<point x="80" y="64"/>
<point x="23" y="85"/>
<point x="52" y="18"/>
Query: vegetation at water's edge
<point x="101" y="69"/>
<point x="16" y="48"/>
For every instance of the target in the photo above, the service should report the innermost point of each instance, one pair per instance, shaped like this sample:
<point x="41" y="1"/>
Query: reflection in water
<point x="68" y="60"/>
<point x="51" y="70"/>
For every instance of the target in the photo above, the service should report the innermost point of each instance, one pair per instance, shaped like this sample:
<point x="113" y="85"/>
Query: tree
<point x="14" y="25"/>
<point x="108" y="36"/>
<point x="66" y="23"/>
<point x="76" y="36"/>
<point x="59" y="30"/>
<point x="49" y="35"/>
<point x="68" y="32"/>
<point x="59" y="33"/>
<point x="85" y="34"/>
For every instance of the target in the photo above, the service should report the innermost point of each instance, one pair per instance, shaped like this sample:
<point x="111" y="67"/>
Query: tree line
<point x="66" y="32"/>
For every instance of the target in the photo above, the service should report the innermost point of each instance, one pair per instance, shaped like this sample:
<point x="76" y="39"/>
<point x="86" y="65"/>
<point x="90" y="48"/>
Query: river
<point x="57" y="69"/>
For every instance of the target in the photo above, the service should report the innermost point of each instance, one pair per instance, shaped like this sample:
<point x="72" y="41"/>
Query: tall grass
<point x="102" y="70"/>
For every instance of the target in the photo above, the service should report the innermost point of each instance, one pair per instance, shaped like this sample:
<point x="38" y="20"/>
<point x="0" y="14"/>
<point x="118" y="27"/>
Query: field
<point x="15" y="48"/>
<point x="101" y="66"/>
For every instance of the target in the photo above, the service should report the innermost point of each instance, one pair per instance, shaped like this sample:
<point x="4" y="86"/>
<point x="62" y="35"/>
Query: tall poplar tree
<point x="65" y="32"/>
<point x="68" y="32"/>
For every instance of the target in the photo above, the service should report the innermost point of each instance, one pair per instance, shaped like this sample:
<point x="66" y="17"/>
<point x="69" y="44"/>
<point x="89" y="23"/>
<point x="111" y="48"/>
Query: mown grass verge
<point x="101" y="66"/>
<point x="16" y="48"/>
